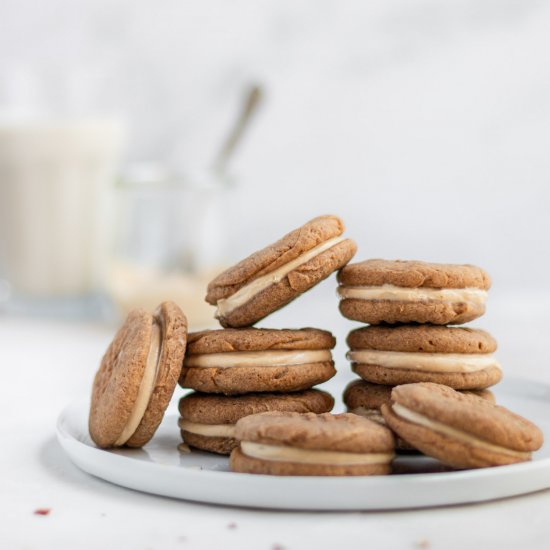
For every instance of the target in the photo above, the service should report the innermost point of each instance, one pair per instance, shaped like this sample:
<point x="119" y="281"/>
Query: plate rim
<point x="69" y="441"/>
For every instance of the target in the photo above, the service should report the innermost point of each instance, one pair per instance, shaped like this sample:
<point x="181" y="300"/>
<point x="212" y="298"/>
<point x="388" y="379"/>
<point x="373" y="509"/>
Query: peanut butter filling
<point x="426" y="362"/>
<point x="146" y="386"/>
<point x="273" y="358"/>
<point x="209" y="430"/>
<point x="247" y="292"/>
<point x="308" y="456"/>
<point x="421" y="420"/>
<point x="474" y="296"/>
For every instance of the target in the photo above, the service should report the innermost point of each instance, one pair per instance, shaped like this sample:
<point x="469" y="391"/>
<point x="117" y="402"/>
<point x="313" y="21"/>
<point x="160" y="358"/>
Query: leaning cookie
<point x="208" y="421"/>
<point x="292" y="444"/>
<point x="137" y="377"/>
<point x="274" y="276"/>
<point x="461" y="358"/>
<point x="460" y="430"/>
<point x="366" y="399"/>
<point x="237" y="361"/>
<point x="386" y="291"/>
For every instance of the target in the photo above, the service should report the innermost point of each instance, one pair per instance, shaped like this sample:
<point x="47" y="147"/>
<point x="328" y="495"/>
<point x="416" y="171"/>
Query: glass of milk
<point x="55" y="216"/>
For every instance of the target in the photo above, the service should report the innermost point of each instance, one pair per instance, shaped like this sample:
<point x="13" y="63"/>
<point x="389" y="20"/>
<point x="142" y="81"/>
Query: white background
<point x="424" y="124"/>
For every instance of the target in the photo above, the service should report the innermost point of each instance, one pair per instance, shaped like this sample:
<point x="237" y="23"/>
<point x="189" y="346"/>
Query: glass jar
<point x="169" y="240"/>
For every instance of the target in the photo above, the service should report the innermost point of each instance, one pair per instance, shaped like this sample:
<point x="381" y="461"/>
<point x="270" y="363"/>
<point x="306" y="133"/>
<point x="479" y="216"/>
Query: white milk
<point x="55" y="184"/>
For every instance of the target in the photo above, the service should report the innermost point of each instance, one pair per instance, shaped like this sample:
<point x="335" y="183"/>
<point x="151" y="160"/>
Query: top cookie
<point x="137" y="377"/>
<point x="384" y="291"/>
<point x="256" y="339"/>
<point x="310" y="444"/>
<point x="277" y="274"/>
<point x="342" y="432"/>
<point x="422" y="339"/>
<point x="467" y="414"/>
<point x="414" y="274"/>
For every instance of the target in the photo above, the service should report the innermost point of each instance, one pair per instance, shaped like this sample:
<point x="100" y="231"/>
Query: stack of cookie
<point x="254" y="387"/>
<point x="239" y="370"/>
<point x="408" y="306"/>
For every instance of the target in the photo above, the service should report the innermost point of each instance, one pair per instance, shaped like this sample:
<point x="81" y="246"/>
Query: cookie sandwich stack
<point x="419" y="386"/>
<point x="408" y="306"/>
<point x="239" y="370"/>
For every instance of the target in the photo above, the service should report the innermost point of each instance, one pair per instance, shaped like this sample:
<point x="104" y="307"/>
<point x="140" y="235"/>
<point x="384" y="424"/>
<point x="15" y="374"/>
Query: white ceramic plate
<point x="161" y="469"/>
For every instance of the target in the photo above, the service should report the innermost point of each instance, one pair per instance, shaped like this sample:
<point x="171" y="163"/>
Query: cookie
<point x="237" y="361"/>
<point x="208" y="420"/>
<point x="396" y="291"/>
<point x="274" y="276"/>
<point x="366" y="399"/>
<point x="291" y="444"/>
<point x="137" y="377"/>
<point x="460" y="430"/>
<point x="459" y="357"/>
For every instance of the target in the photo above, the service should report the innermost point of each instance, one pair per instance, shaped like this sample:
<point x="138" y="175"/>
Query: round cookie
<point x="137" y="377"/>
<point x="397" y="291"/>
<point x="208" y="420"/>
<point x="460" y="430"/>
<point x="366" y="399"/>
<point x="274" y="276"/>
<point x="459" y="357"/>
<point x="237" y="361"/>
<point x="312" y="445"/>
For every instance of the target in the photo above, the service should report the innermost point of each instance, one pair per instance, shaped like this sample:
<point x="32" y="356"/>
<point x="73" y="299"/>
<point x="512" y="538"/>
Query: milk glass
<point x="55" y="218"/>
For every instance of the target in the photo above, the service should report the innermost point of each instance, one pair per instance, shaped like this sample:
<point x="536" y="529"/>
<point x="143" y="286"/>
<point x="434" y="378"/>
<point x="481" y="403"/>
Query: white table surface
<point x="46" y="364"/>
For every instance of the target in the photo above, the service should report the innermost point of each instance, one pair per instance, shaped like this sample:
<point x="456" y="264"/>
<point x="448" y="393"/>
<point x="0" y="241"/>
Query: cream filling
<point x="419" y="294"/>
<point x="459" y="435"/>
<point x="426" y="362"/>
<point x="244" y="294"/>
<point x="258" y="358"/>
<point x="308" y="456"/>
<point x="146" y="387"/>
<point x="371" y="414"/>
<point x="209" y="430"/>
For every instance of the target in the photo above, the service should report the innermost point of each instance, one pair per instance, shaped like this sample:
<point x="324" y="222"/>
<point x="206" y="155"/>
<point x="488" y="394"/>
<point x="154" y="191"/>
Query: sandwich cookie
<point x="237" y="361"/>
<point x="458" y="357"/>
<point x="208" y="420"/>
<point x="293" y="444"/>
<point x="137" y="377"/>
<point x="366" y="399"/>
<point x="274" y="276"/>
<point x="385" y="291"/>
<point x="460" y="430"/>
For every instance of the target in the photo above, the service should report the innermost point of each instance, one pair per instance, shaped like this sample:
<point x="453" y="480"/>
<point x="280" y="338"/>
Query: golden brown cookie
<point x="366" y="399"/>
<point x="137" y="377"/>
<point x="458" y="357"/>
<point x="312" y="445"/>
<point x="460" y="430"/>
<point x="208" y="420"/>
<point x="397" y="291"/>
<point x="237" y="361"/>
<point x="274" y="276"/>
